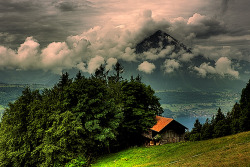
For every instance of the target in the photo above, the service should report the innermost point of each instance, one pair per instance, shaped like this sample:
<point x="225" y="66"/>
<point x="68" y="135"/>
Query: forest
<point x="235" y="121"/>
<point x="80" y="118"/>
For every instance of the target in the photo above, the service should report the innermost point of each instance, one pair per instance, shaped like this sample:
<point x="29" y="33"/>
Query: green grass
<point x="227" y="151"/>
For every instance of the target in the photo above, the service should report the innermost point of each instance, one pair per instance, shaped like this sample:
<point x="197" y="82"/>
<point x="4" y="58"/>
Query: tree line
<point x="235" y="121"/>
<point x="79" y="118"/>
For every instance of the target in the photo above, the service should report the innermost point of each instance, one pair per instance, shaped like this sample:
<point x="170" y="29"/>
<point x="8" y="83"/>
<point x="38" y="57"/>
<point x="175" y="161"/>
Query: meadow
<point x="231" y="150"/>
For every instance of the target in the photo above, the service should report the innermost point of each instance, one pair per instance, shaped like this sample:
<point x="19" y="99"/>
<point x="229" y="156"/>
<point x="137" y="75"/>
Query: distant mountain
<point x="184" y="78"/>
<point x="160" y="39"/>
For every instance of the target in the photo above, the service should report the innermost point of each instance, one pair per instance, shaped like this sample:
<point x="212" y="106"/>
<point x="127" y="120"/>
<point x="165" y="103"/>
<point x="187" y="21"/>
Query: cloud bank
<point x="112" y="42"/>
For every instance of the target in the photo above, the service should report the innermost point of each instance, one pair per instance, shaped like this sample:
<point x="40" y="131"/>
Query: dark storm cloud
<point x="18" y="6"/>
<point x="198" y="27"/>
<point x="45" y="20"/>
<point x="208" y="27"/>
<point x="66" y="6"/>
<point x="224" y="5"/>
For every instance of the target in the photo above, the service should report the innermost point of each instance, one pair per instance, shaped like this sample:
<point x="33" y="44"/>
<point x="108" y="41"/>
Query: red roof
<point x="162" y="122"/>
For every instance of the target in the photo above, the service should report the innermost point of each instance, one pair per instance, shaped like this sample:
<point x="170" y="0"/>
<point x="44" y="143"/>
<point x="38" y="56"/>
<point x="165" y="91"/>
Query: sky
<point x="57" y="35"/>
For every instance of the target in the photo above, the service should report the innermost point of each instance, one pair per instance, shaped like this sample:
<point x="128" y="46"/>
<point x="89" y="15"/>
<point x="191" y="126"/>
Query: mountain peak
<point x="160" y="39"/>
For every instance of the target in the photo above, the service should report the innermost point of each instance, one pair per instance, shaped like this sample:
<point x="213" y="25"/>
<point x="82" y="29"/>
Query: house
<point x="166" y="130"/>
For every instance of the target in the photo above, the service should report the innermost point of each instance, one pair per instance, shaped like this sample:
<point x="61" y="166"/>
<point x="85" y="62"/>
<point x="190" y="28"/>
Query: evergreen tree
<point x="78" y="75"/>
<point x="245" y="97"/>
<point x="100" y="73"/>
<point x="234" y="117"/>
<point x="245" y="108"/>
<point x="236" y="111"/>
<point x="138" y="78"/>
<point x="119" y="70"/>
<point x="221" y="125"/>
<point x="196" y="131"/>
<point x="221" y="128"/>
<point x="207" y="130"/>
<point x="219" y="116"/>
<point x="64" y="80"/>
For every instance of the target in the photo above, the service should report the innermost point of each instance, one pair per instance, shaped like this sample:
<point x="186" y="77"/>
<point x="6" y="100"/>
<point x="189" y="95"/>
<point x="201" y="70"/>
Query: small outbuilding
<point x="166" y="130"/>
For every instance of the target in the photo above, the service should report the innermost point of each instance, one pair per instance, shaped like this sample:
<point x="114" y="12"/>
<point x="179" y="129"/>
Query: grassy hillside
<point x="227" y="151"/>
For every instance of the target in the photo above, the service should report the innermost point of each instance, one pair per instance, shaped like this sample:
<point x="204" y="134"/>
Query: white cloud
<point x="146" y="67"/>
<point x="170" y="66"/>
<point x="26" y="57"/>
<point x="110" y="63"/>
<point x="196" y="19"/>
<point x="223" y="67"/>
<point x="156" y="53"/>
<point x="204" y="69"/>
<point x="27" y="53"/>
<point x="82" y="66"/>
<point x="95" y="63"/>
<point x="186" y="57"/>
<point x="8" y="58"/>
<point x="128" y="55"/>
<point x="215" y="52"/>
<point x="57" y="56"/>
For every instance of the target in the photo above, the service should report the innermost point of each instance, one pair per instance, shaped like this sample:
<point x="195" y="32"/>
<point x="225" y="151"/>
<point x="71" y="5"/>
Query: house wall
<point x="170" y="133"/>
<point x="170" y="136"/>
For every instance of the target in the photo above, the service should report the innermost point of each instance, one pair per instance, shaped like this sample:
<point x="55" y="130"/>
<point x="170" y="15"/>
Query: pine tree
<point x="119" y="70"/>
<point x="219" y="116"/>
<point x="207" y="130"/>
<point x="195" y="134"/>
<point x="78" y="75"/>
<point x="245" y="97"/>
<point x="221" y="125"/>
<point x="64" y="80"/>
<point x="234" y="117"/>
<point x="245" y="108"/>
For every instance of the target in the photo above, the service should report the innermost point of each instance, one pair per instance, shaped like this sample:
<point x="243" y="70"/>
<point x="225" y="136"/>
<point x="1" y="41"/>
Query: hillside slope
<point x="227" y="151"/>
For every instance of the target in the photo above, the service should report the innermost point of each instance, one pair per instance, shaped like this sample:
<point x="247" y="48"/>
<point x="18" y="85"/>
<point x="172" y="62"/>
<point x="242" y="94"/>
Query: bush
<point x="78" y="162"/>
